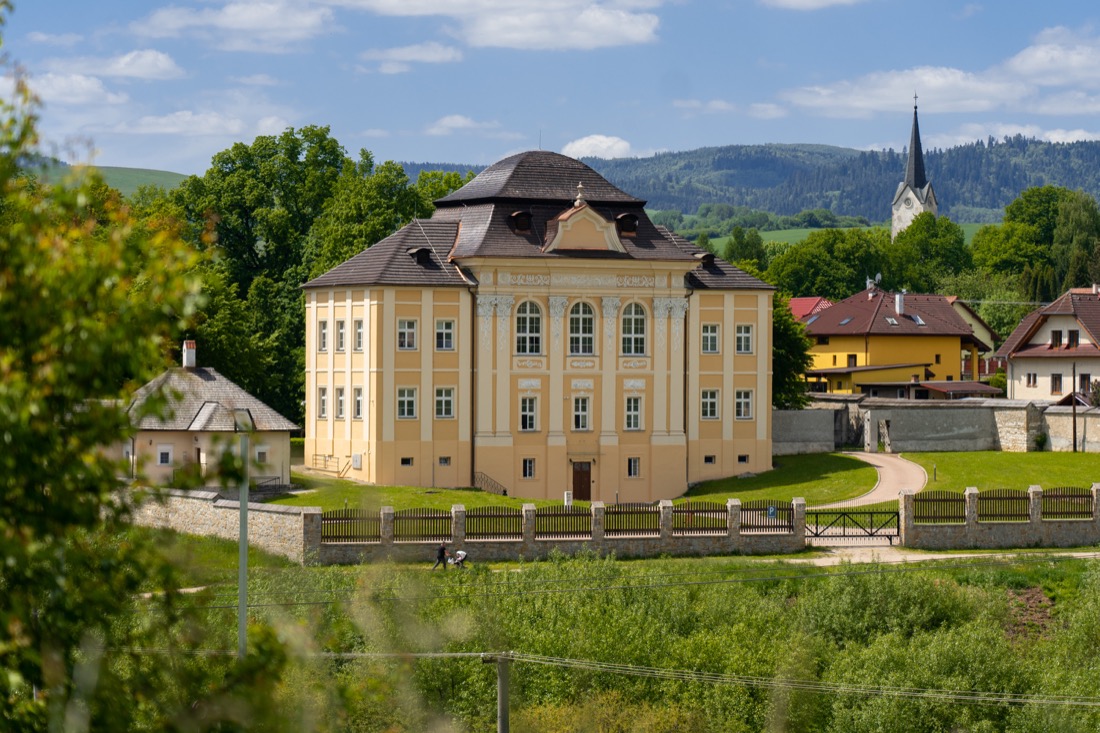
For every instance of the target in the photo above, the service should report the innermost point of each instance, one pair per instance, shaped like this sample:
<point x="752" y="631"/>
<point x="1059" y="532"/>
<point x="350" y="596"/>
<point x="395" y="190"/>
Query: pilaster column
<point x="504" y="305"/>
<point x="662" y="366"/>
<point x="484" y="365"/>
<point x="608" y="369"/>
<point x="677" y="312"/>
<point x="556" y="362"/>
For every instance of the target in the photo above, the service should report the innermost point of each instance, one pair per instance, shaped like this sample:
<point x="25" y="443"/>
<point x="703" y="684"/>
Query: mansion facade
<point x="539" y="334"/>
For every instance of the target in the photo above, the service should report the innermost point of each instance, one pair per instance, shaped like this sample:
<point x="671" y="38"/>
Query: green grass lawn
<point x="207" y="560"/>
<point x="995" y="470"/>
<point x="818" y="478"/>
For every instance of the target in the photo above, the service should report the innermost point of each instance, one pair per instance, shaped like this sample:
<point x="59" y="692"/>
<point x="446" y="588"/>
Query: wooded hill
<point x="973" y="182"/>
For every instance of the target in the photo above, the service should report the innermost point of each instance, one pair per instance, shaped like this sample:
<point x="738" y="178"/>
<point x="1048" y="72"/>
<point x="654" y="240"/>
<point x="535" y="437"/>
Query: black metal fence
<point x="767" y="515"/>
<point x="939" y="507"/>
<point x="633" y="519"/>
<point x="494" y="523"/>
<point x="563" y="522"/>
<point x="422" y="525"/>
<point x="351" y="525"/>
<point x="700" y="518"/>
<point x="1067" y="502"/>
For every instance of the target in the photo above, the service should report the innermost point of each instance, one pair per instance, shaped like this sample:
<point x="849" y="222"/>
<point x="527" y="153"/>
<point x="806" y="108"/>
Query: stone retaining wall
<point x="290" y="531"/>
<point x="803" y="431"/>
<point x="1036" y="532"/>
<point x="733" y="541"/>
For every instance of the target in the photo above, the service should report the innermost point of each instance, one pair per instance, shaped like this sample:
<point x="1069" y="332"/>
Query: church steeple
<point x="914" y="169"/>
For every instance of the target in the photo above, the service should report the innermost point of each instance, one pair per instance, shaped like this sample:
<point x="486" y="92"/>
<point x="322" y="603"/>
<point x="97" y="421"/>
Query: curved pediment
<point x="583" y="228"/>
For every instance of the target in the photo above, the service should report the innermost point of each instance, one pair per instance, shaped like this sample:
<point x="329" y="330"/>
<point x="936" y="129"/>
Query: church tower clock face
<point x="908" y="202"/>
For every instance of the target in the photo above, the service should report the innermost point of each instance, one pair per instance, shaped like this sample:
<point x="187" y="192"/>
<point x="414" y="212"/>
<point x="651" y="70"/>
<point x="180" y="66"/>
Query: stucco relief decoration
<point x="584" y="281"/>
<point x="485" y="305"/>
<point x="582" y="384"/>
<point x="634" y="385"/>
<point x="610" y="320"/>
<point x="504" y="314"/>
<point x="661" y="307"/>
<point x="557" y="312"/>
<point x="582" y="364"/>
<point x="635" y="281"/>
<point x="635" y="364"/>
<point x="678" y="312"/>
<point x="529" y="363"/>
<point x="523" y="279"/>
<point x="530" y="384"/>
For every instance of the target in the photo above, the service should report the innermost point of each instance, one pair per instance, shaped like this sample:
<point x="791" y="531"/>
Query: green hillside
<point x="127" y="180"/>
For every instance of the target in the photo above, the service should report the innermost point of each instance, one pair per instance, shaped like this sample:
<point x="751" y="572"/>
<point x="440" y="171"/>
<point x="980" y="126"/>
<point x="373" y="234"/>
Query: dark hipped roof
<point x="200" y="399"/>
<point x="1081" y="303"/>
<point x="871" y="311"/>
<point x="396" y="261"/>
<point x="537" y="175"/>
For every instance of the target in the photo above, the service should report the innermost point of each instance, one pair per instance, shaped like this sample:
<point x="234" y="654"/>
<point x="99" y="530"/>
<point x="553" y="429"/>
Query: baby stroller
<point x="459" y="559"/>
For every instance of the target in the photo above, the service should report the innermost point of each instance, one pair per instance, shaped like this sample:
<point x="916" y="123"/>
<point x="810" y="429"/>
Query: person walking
<point x="441" y="556"/>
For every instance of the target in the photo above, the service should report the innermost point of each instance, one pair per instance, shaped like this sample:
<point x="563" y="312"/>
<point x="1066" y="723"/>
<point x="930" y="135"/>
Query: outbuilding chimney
<point x="1096" y="288"/>
<point x="188" y="354"/>
<point x="899" y="303"/>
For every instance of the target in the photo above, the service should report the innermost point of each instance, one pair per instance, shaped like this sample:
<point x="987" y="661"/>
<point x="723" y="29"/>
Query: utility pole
<point x="1073" y="391"/>
<point x="503" y="661"/>
<point x="243" y="422"/>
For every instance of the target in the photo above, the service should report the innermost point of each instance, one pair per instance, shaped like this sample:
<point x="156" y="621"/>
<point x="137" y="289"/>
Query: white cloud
<point x="698" y="105"/>
<point x="949" y="90"/>
<point x="456" y="123"/>
<point x="968" y="11"/>
<point x="242" y="25"/>
<point x="423" y="53"/>
<point x="970" y="132"/>
<point x="143" y="64"/>
<point x="74" y="89"/>
<point x="766" y="111"/>
<point x="375" y="132"/>
<point x="54" y="39"/>
<point x="256" y="80"/>
<point x="597" y="146"/>
<point x="523" y="24"/>
<point x="807" y="4"/>
<point x="1059" y="57"/>
<point x="185" y="122"/>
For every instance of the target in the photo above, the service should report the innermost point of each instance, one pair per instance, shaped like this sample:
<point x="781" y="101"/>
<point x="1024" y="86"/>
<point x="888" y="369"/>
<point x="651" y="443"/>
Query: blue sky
<point x="168" y="84"/>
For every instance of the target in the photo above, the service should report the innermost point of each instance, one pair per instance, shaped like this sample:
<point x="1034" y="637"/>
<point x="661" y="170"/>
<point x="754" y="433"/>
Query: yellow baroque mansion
<point x="539" y="334"/>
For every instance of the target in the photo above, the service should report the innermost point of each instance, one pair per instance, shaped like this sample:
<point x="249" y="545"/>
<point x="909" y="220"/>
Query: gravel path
<point x="894" y="474"/>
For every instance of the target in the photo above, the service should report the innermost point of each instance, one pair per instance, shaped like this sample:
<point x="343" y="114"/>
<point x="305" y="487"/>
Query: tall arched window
<point x="528" y="328"/>
<point x="582" y="326"/>
<point x="634" y="330"/>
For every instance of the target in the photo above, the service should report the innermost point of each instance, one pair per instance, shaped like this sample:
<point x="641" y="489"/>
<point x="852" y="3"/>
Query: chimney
<point x="1096" y="288"/>
<point x="899" y="303"/>
<point x="188" y="354"/>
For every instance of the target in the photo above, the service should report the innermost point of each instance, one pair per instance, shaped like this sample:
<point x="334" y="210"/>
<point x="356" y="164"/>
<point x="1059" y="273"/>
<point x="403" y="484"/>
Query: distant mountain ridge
<point x="973" y="182"/>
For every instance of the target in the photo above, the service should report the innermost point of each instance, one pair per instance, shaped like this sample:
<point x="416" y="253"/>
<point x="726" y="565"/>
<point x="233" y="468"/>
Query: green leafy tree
<point x="790" y="357"/>
<point x="832" y="263"/>
<point x="1038" y="207"/>
<point x="1008" y="247"/>
<point x="1076" y="234"/>
<point x="928" y="249"/>
<point x="89" y="301"/>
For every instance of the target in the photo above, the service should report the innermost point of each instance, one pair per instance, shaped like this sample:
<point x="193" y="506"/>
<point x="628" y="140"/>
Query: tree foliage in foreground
<point x="88" y="300"/>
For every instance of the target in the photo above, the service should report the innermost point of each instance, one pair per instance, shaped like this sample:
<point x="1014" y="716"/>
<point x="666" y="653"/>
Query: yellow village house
<point x="894" y="345"/>
<point x="538" y="334"/>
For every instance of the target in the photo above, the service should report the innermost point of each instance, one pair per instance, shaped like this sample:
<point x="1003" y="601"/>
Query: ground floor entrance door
<point x="582" y="480"/>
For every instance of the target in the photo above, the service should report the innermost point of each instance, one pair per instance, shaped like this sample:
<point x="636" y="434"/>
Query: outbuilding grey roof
<point x="201" y="399"/>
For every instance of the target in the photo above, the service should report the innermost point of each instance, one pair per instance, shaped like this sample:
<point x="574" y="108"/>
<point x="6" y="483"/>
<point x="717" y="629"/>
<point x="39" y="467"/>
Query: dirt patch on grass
<point x="1030" y="612"/>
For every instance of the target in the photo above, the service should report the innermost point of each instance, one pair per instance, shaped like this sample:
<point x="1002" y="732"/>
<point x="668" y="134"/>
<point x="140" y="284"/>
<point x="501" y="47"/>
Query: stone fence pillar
<point x="733" y="518"/>
<point x="971" y="495"/>
<point x="665" y="507"/>
<point x="1035" y="505"/>
<point x="311" y="535"/>
<point x="1096" y="505"/>
<point x="798" y="508"/>
<point x="387" y="525"/>
<point x="458" y="524"/>
<point x="905" y="517"/>
<point x="597" y="521"/>
<point x="529" y="524"/>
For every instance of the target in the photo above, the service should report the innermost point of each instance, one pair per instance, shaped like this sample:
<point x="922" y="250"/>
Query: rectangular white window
<point x="444" y="402"/>
<point x="322" y="402"/>
<point x="1056" y="384"/>
<point x="710" y="338"/>
<point x="528" y="468"/>
<point x="406" y="403"/>
<point x="339" y="403"/>
<point x="742" y="404"/>
<point x="357" y="403"/>
<point x="744" y="339"/>
<point x="322" y="336"/>
<point x="406" y="335"/>
<point x="633" y="413"/>
<point x="708" y="406"/>
<point x="444" y="335"/>
<point x="164" y="455"/>
<point x="359" y="334"/>
<point x="1032" y="379"/>
<point x="633" y="467"/>
<point x="580" y="413"/>
<point x="528" y="414"/>
<point x="339" y="335"/>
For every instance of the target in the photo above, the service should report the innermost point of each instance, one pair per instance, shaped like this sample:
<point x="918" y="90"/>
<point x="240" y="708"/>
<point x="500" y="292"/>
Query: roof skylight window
<point x="846" y="321"/>
<point x="891" y="320"/>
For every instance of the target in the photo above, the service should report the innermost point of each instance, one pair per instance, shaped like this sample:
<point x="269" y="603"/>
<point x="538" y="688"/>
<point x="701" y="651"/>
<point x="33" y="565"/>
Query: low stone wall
<point x="293" y="532"/>
<point x="733" y="541"/>
<point x="1036" y="532"/>
<point x="1059" y="427"/>
<point x="803" y="431"/>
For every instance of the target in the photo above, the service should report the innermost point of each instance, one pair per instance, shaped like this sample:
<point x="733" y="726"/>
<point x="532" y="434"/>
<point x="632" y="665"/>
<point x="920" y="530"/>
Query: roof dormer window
<point x="521" y="221"/>
<point x="628" y="224"/>
<point x="422" y="255"/>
